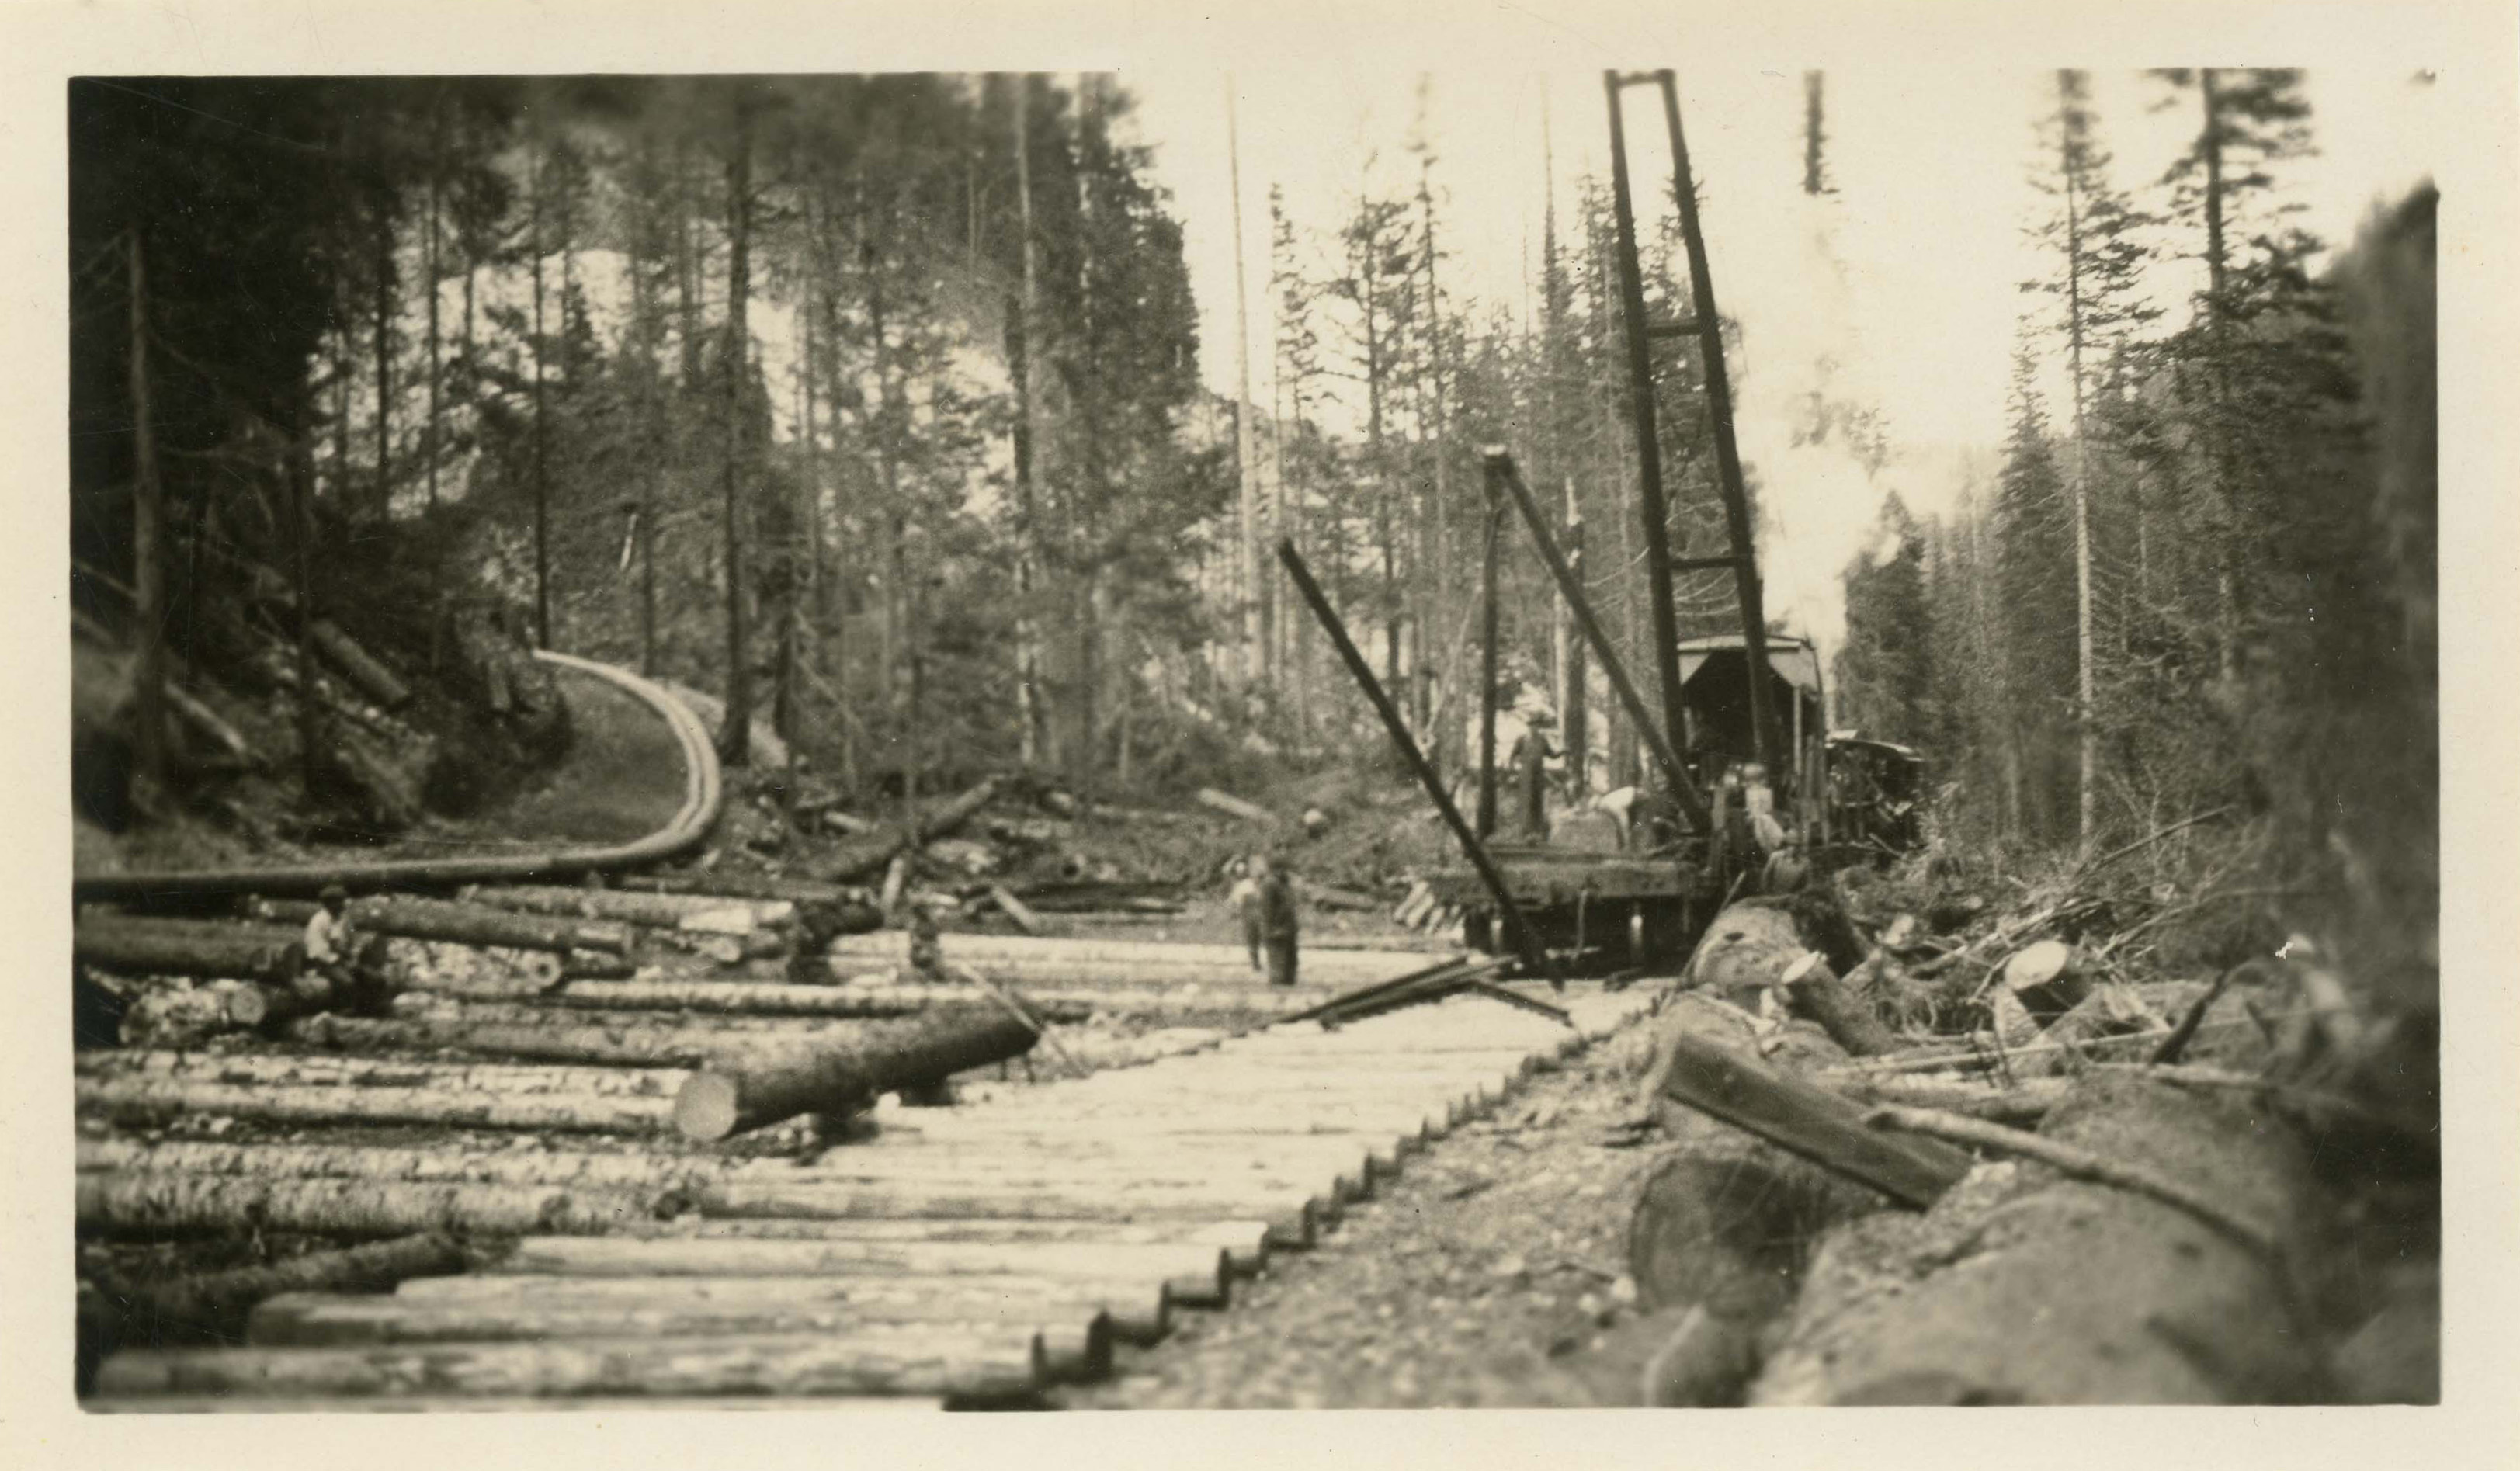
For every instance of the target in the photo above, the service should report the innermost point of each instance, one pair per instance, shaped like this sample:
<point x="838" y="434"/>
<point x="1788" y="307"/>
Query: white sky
<point x="1931" y="164"/>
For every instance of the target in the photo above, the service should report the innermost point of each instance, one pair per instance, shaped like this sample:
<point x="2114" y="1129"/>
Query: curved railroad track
<point x="703" y="797"/>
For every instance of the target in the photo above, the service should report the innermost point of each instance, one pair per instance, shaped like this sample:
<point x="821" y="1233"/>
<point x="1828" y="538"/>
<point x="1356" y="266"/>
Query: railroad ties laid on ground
<point x="977" y="1255"/>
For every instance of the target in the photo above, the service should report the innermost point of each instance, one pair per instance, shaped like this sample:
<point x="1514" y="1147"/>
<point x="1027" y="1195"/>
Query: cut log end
<point x="709" y="1107"/>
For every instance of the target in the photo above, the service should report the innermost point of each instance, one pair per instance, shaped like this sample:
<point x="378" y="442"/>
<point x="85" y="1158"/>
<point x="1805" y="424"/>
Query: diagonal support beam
<point x="1502" y="475"/>
<point x="1526" y="944"/>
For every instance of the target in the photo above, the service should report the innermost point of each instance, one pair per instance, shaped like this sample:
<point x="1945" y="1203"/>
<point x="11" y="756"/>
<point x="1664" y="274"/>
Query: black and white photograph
<point x="1514" y="713"/>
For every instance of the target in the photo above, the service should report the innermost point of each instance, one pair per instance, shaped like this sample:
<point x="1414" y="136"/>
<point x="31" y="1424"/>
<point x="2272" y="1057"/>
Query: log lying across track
<point x="1138" y="1313"/>
<point x="558" y="1038"/>
<point x="147" y="1098"/>
<point x="1077" y="1349"/>
<point x="152" y="1204"/>
<point x="460" y="923"/>
<point x="1011" y="1365"/>
<point x="1196" y="1274"/>
<point x="848" y="1072"/>
<point x="173" y="947"/>
<point x="1089" y="961"/>
<point x="653" y="911"/>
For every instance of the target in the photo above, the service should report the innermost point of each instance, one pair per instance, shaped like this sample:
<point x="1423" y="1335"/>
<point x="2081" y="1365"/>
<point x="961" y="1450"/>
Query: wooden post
<point x="1527" y="943"/>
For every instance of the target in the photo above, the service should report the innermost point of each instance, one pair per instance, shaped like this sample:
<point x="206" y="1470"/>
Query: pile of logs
<point x="1845" y="1215"/>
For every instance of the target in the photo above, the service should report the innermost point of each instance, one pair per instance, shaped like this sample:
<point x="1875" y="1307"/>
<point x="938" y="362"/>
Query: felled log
<point x="556" y="1040"/>
<point x="1722" y="1223"/>
<point x="656" y="910"/>
<point x="190" y="708"/>
<point x="457" y="924"/>
<point x="360" y="667"/>
<point x="1077" y="1349"/>
<point x="1817" y="993"/>
<point x="844" y="1074"/>
<point x="149" y="1204"/>
<point x="174" y="947"/>
<point x="184" y="1016"/>
<point x="1016" y="909"/>
<point x="715" y="998"/>
<point x="1235" y="807"/>
<point x="310" y="1071"/>
<point x="144" y="1097"/>
<point x="1197" y="1275"/>
<point x="714" y="885"/>
<point x="2026" y="1286"/>
<point x="220" y="1300"/>
<point x="1043" y="957"/>
<point x="798" y="1365"/>
<point x="1294" y="1218"/>
<point x="1138" y="1313"/>
<point x="488" y="1164"/>
<point x="350" y="769"/>
<point x="1329" y="897"/>
<point x="1245" y="1242"/>
<point x="212" y="1307"/>
<point x="1746" y="950"/>
<point x="863" y="858"/>
<point x="1823" y="1127"/>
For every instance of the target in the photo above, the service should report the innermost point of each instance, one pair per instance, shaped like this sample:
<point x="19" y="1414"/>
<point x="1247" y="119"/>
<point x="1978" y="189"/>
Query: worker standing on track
<point x="1244" y="899"/>
<point x="1279" y="921"/>
<point x="330" y="945"/>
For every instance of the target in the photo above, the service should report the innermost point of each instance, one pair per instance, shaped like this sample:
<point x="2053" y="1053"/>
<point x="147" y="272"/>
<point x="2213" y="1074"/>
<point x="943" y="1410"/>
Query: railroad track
<point x="987" y="1254"/>
<point x="499" y="1151"/>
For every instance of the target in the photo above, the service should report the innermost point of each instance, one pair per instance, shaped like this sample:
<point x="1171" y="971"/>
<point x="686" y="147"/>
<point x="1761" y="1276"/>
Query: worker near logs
<point x="330" y="945"/>
<point x="1530" y="759"/>
<point x="1278" y="921"/>
<point x="1244" y="899"/>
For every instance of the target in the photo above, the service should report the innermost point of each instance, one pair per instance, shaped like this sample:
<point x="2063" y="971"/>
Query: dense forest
<point x="872" y="405"/>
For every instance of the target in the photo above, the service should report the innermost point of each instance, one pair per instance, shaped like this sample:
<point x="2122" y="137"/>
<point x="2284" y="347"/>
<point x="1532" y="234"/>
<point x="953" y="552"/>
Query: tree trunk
<point x="866" y="857"/>
<point x="371" y="678"/>
<point x="1137" y="1315"/>
<point x="476" y="1163"/>
<point x="735" y="739"/>
<point x="145" y="1205"/>
<point x="1082" y="961"/>
<point x="143" y="1098"/>
<point x="726" y="1100"/>
<point x="1817" y="993"/>
<point x="458" y="924"/>
<point x="1077" y="1347"/>
<point x="2081" y="1293"/>
<point x="1197" y="1274"/>
<point x="159" y="947"/>
<point x="212" y="1307"/>
<point x="654" y="911"/>
<point x="801" y="1365"/>
<point x="431" y="275"/>
<point x="312" y="1071"/>
<point x="555" y="1041"/>
<point x="541" y="468"/>
<point x="385" y="365"/>
<point x="148" y="555"/>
